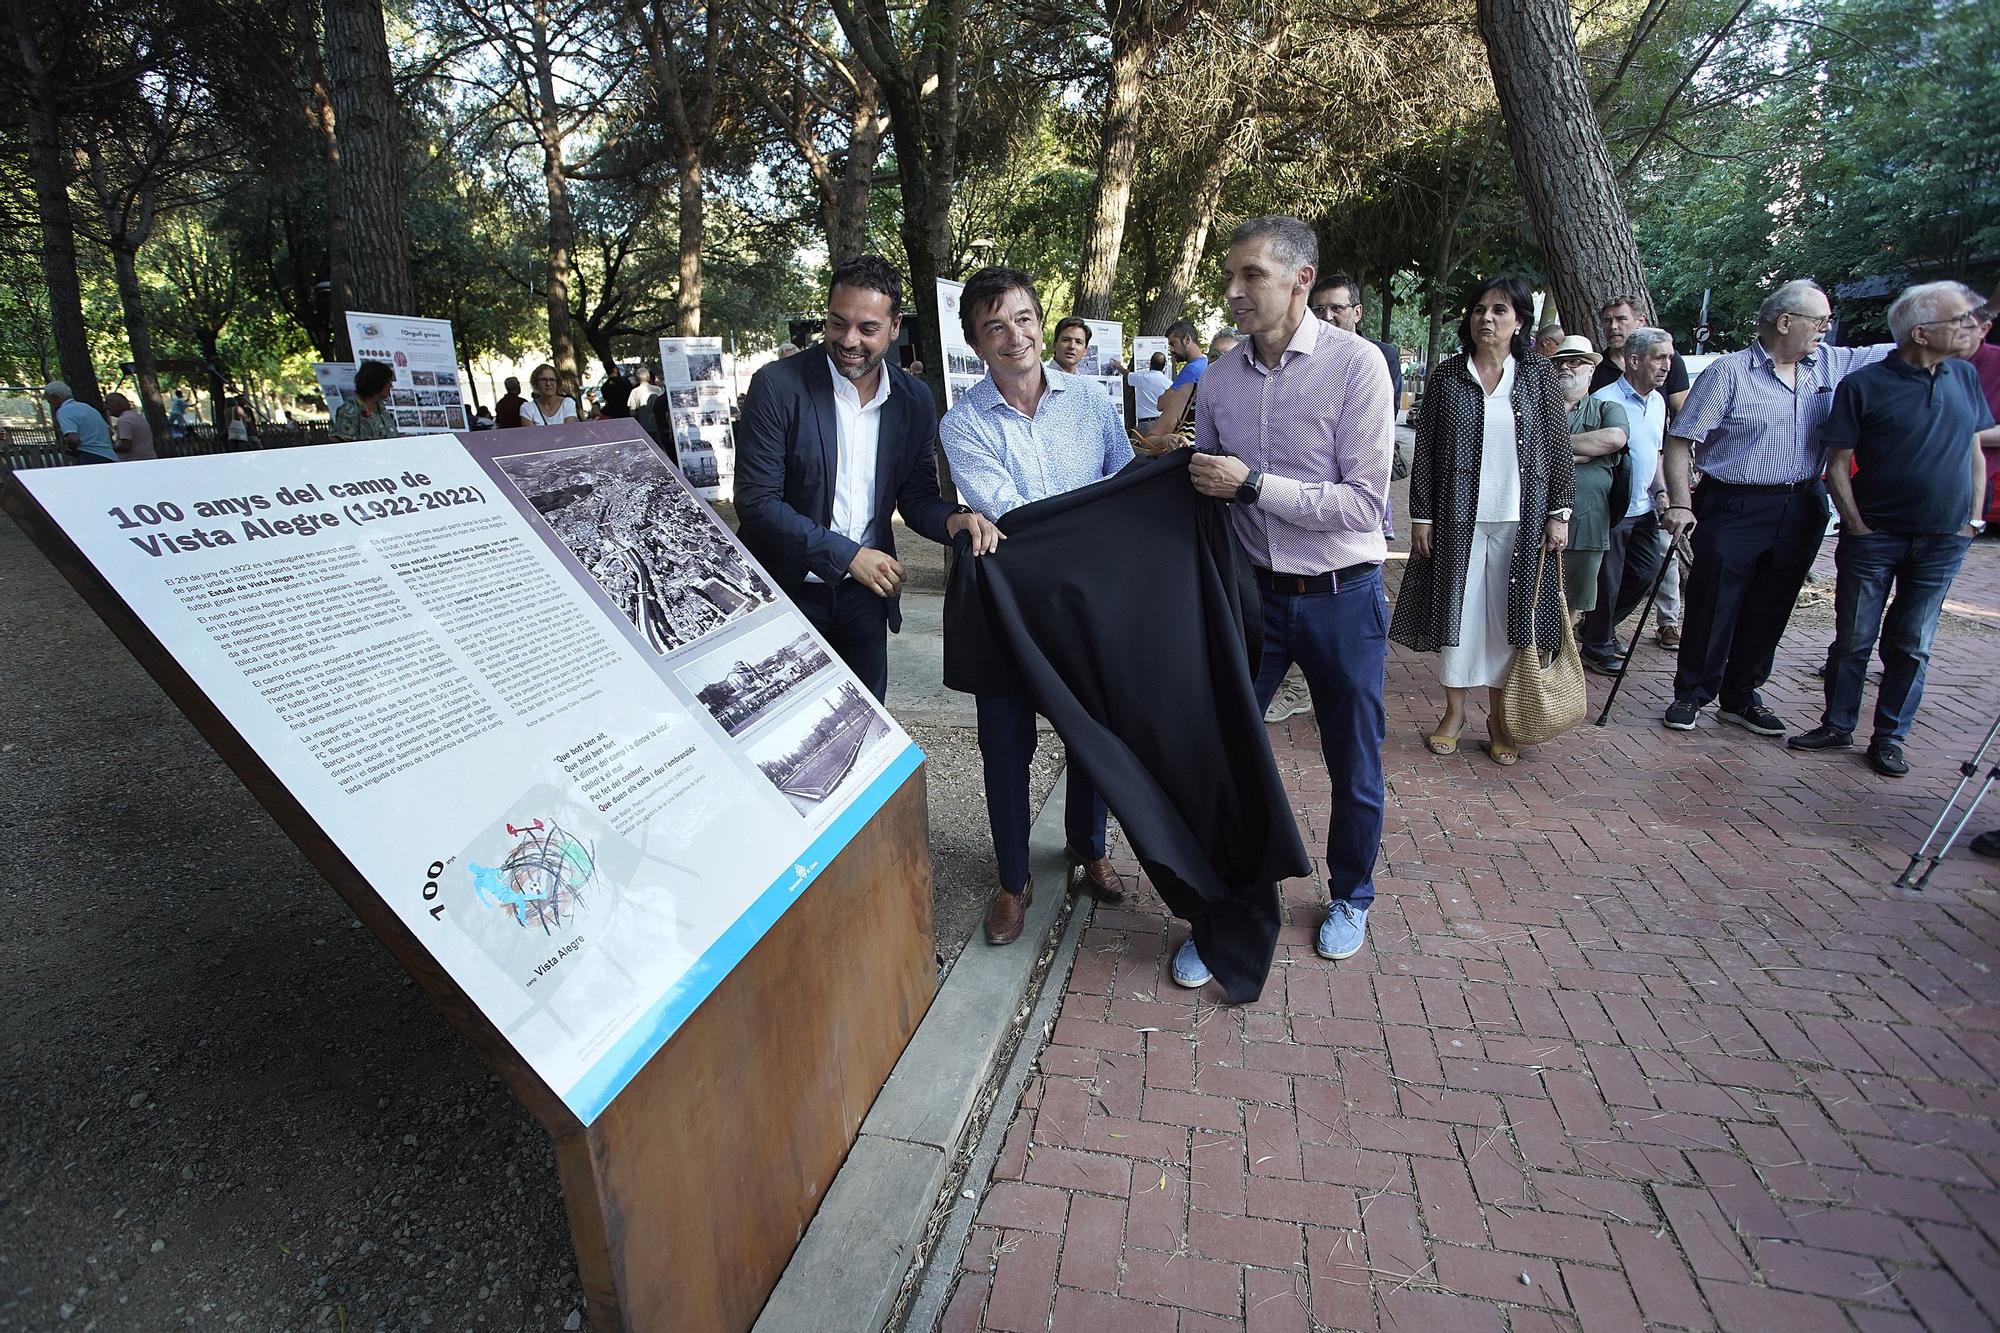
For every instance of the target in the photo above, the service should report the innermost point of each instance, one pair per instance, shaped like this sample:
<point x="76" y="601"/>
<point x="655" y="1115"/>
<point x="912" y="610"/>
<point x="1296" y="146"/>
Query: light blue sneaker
<point x="1344" y="931"/>
<point x="1189" y="970"/>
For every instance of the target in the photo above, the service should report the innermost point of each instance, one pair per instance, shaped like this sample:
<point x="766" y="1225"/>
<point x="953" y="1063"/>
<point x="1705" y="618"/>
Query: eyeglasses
<point x="1817" y="321"/>
<point x="1965" y="319"/>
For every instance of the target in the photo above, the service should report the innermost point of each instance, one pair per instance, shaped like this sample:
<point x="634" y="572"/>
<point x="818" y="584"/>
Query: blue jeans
<point x="1340" y="640"/>
<point x="1921" y="569"/>
<point x="1007" y="740"/>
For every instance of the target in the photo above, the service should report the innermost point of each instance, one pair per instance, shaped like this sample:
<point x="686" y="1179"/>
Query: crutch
<point x="1645" y="614"/>
<point x="1969" y="770"/>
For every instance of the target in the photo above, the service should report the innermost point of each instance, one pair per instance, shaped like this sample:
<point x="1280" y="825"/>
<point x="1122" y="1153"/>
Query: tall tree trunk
<point x="1111" y="193"/>
<point x="847" y="223"/>
<point x="1203" y="196"/>
<point x="316" y="105"/>
<point x="51" y="180"/>
<point x="132" y="301"/>
<point x="1388" y="297"/>
<point x="1560" y="156"/>
<point x="370" y="147"/>
<point x="562" y="219"/>
<point x="687" y="301"/>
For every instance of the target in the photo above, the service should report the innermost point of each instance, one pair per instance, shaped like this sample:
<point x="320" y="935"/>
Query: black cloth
<point x="788" y="465"/>
<point x="1126" y="611"/>
<point x="1608" y="371"/>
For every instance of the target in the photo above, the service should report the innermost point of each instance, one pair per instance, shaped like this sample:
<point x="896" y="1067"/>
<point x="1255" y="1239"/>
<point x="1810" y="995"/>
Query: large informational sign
<point x="427" y="397"/>
<point x="336" y="382"/>
<point x="1143" y="347"/>
<point x="532" y="690"/>
<point x="962" y="366"/>
<point x="700" y="396"/>
<point x="1107" y="344"/>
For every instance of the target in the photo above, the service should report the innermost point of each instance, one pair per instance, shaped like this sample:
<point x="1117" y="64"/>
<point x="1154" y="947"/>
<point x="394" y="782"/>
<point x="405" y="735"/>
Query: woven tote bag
<point x="1542" y="697"/>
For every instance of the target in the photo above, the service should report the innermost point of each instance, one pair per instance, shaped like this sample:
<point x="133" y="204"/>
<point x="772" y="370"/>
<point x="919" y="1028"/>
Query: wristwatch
<point x="1978" y="526"/>
<point x="1562" y="514"/>
<point x="1252" y="487"/>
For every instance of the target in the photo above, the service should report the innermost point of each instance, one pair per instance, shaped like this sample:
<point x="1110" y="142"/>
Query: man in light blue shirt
<point x="1633" y="557"/>
<point x="80" y="427"/>
<point x="1026" y="432"/>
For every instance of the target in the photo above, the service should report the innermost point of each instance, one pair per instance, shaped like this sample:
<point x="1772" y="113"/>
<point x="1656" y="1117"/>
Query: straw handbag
<point x="1543" y="696"/>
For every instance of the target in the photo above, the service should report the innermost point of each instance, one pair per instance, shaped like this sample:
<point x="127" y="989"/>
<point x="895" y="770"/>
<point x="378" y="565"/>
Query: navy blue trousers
<point x="1752" y="551"/>
<point x="856" y="622"/>
<point x="1340" y="640"/>
<point x="1007" y="739"/>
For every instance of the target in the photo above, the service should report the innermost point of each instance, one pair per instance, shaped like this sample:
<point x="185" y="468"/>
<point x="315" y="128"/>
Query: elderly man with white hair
<point x="1632" y="556"/>
<point x="1751" y="423"/>
<point x="1915" y="424"/>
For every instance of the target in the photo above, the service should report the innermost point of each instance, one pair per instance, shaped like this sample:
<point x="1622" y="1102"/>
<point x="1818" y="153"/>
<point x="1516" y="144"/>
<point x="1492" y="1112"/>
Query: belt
<point x="1298" y="584"/>
<point x="1775" y="488"/>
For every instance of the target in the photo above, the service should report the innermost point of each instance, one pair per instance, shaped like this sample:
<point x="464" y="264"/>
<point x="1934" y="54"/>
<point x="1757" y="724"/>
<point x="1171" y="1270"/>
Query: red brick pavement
<point x="1640" y="1040"/>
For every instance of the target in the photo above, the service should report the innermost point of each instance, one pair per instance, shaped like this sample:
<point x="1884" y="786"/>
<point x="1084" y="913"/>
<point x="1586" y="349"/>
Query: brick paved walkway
<point x="1640" y="1040"/>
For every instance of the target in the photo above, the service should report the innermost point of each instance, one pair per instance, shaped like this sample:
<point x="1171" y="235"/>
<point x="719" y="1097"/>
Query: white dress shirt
<point x="859" y="426"/>
<point x="1499" y="450"/>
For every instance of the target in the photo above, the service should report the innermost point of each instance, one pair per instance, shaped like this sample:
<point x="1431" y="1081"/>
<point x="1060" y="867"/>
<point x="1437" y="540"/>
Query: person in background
<point x="177" y="416"/>
<point x="1620" y="317"/>
<point x="1222" y="344"/>
<point x="617" y="394"/>
<point x="1915" y="424"/>
<point x="1633" y="556"/>
<point x="1070" y="345"/>
<point x="364" y="414"/>
<point x="1169" y="426"/>
<point x="507" y="413"/>
<point x="1147" y="386"/>
<point x="1751" y="425"/>
<point x="1492" y="490"/>
<point x="81" y="429"/>
<point x="787" y="350"/>
<point x="1023" y="433"/>
<point x="1548" y="338"/>
<point x="1596" y="443"/>
<point x="549" y="406"/>
<point x="1985" y="359"/>
<point x="643" y="392"/>
<point x="242" y="435"/>
<point x="132" y="436"/>
<point x="1336" y="298"/>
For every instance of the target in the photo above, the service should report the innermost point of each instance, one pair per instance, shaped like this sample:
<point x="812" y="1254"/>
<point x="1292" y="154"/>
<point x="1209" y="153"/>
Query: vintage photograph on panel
<point x="434" y="416"/>
<point x="661" y="555"/>
<point x="685" y="396"/>
<point x="820" y="750"/>
<point x="746" y="680"/>
<point x="423" y="377"/>
<point x="705" y="366"/>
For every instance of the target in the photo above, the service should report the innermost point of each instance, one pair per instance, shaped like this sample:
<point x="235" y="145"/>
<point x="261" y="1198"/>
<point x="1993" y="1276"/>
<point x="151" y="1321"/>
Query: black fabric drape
<point x="1126" y="611"/>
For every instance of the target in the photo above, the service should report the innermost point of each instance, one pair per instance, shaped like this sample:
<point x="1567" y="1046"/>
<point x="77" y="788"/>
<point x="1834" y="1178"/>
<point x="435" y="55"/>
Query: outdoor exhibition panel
<point x="558" y="741"/>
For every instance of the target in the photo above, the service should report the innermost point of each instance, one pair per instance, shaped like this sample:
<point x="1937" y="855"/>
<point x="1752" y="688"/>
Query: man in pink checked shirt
<point x="1297" y="426"/>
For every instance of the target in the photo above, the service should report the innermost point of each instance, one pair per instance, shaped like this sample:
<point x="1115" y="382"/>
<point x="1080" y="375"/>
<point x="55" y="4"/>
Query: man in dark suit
<point x="830" y="443"/>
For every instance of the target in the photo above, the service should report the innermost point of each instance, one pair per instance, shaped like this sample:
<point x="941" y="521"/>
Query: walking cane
<point x="1909" y="879"/>
<point x="1645" y="614"/>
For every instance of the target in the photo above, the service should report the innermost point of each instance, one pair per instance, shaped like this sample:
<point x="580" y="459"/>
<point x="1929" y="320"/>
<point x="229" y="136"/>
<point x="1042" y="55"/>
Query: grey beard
<point x="867" y="368"/>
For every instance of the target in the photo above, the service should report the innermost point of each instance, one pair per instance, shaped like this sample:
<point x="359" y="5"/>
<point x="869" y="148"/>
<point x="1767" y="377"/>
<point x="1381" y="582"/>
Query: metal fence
<point x="40" y="448"/>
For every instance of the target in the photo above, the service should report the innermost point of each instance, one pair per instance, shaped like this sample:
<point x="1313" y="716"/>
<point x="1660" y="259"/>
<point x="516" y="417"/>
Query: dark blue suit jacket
<point x="787" y="465"/>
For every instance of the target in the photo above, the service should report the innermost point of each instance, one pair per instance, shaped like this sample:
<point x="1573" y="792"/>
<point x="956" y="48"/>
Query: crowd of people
<point x="1555" y="486"/>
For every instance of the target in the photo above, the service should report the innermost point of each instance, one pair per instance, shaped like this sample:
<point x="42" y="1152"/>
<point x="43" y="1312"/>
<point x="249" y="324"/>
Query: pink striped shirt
<point x="1322" y="429"/>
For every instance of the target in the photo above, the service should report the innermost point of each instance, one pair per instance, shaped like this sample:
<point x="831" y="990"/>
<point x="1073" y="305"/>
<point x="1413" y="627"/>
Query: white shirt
<point x="532" y="415"/>
<point x="859" y="426"/>
<point x="642" y="394"/>
<point x="1499" y="456"/>
<point x="1147" y="386"/>
<point x="1645" y="431"/>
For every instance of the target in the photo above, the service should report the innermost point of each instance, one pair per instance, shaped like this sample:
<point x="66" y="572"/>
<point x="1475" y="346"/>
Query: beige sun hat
<point x="1578" y="346"/>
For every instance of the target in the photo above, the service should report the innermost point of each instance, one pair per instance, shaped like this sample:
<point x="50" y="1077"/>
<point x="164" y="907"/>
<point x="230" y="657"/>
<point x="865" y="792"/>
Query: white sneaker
<point x="1291" y="699"/>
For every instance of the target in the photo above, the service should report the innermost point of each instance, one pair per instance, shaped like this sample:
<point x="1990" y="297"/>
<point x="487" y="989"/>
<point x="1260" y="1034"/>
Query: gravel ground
<point x="223" y="1105"/>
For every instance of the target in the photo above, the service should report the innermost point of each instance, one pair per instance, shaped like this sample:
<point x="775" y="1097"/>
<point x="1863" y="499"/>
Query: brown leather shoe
<point x="1008" y="913"/>
<point x="1093" y="875"/>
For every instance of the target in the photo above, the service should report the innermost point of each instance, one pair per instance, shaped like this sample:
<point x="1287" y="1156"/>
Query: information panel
<point x="962" y="366"/>
<point x="336" y="381"/>
<point x="427" y="397"/>
<point x="700" y="396"/>
<point x="535" y="692"/>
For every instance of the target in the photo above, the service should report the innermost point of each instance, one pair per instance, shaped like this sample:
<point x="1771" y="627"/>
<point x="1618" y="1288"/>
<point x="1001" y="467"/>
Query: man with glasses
<point x="1336" y="298"/>
<point x="1914" y="423"/>
<point x="1752" y="425"/>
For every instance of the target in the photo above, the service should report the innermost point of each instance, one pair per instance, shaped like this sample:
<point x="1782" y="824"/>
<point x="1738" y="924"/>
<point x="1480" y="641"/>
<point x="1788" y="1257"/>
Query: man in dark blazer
<point x="829" y="445"/>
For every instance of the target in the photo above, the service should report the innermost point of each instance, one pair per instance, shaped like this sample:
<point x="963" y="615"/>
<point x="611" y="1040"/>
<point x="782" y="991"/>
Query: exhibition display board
<point x="1107" y="344"/>
<point x="962" y="366"/>
<point x="335" y="380"/>
<point x="1143" y="347"/>
<point x="556" y="738"/>
<point x="694" y="373"/>
<point x="426" y="398"/>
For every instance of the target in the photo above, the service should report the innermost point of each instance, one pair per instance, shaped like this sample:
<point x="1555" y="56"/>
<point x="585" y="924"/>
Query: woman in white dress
<point x="1492" y="458"/>
<point x="548" y="405"/>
